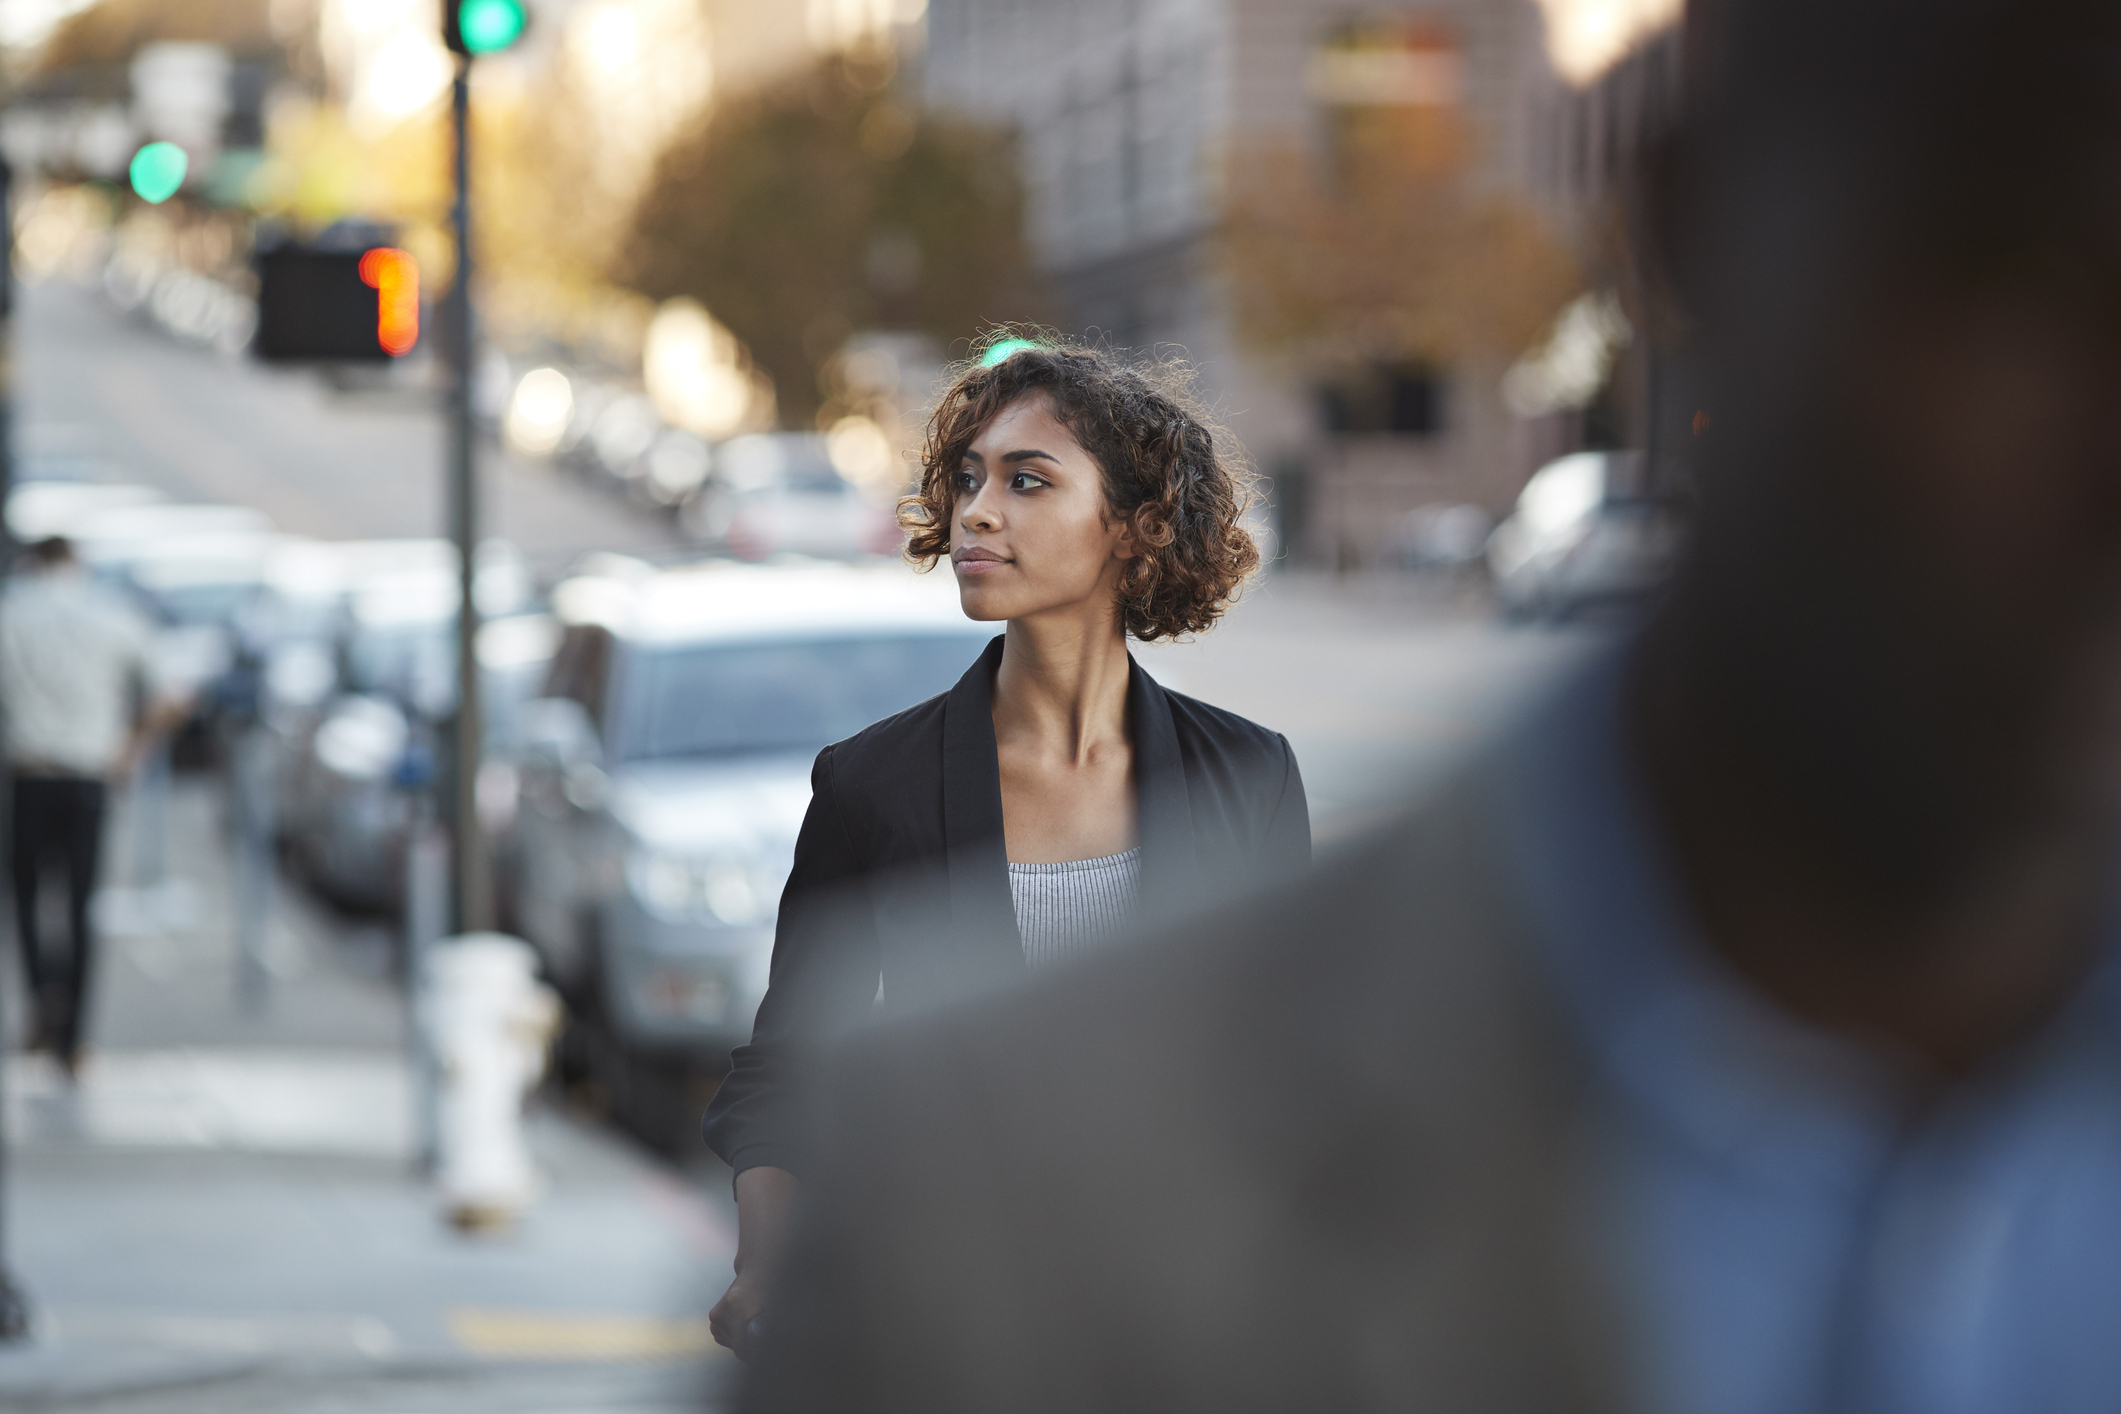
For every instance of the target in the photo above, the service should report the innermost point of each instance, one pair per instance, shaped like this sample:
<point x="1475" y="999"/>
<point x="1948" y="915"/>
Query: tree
<point x="824" y="205"/>
<point x="1389" y="250"/>
<point x="109" y="33"/>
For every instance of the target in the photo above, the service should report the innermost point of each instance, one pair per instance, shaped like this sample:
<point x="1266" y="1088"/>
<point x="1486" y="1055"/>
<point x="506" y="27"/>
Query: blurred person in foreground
<point x="76" y="714"/>
<point x="1057" y="794"/>
<point x="1742" y="1035"/>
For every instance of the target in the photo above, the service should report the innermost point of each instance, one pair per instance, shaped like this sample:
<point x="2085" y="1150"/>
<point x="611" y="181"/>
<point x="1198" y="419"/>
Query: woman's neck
<point x="1062" y="688"/>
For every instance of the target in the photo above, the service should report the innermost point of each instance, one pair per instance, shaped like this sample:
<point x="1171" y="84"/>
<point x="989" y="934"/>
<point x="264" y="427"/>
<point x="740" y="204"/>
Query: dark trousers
<point x="57" y="820"/>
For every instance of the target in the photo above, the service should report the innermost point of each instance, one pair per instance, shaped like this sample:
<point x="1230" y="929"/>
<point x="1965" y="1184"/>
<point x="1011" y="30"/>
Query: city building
<point x="1143" y="125"/>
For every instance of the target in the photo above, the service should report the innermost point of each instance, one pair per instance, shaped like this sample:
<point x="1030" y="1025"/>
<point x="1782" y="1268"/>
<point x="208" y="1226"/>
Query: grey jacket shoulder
<point x="1313" y="1150"/>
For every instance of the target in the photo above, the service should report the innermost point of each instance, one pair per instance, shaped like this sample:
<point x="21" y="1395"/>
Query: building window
<point x="1405" y="398"/>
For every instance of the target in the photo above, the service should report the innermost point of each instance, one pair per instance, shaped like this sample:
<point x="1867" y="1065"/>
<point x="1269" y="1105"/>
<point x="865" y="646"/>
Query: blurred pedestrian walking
<point x="76" y="713"/>
<point x="1744" y="1036"/>
<point x="1058" y="794"/>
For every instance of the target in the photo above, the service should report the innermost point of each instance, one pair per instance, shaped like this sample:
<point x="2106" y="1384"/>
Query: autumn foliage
<point x="1387" y="247"/>
<point x="824" y="206"/>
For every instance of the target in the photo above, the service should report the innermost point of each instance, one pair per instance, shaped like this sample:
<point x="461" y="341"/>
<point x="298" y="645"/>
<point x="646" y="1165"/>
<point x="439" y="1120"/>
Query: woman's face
<point x="1032" y="533"/>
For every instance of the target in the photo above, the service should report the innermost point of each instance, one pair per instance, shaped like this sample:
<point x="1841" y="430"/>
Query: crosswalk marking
<point x="560" y="1335"/>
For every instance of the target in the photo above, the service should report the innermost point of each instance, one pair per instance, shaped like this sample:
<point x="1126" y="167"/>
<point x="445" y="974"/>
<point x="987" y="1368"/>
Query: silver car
<point x="665" y="773"/>
<point x="1582" y="537"/>
<point x="779" y="493"/>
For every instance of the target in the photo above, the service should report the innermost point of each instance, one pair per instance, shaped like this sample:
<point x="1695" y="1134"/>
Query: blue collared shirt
<point x="1793" y="1234"/>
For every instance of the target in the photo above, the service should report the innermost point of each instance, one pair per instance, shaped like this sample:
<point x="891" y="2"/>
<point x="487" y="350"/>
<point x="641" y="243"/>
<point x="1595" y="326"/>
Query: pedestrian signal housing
<point x="482" y="26"/>
<point x="348" y="306"/>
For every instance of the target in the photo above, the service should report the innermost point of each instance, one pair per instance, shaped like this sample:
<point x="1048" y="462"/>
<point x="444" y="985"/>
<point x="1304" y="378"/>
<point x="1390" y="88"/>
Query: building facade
<point x="1133" y="116"/>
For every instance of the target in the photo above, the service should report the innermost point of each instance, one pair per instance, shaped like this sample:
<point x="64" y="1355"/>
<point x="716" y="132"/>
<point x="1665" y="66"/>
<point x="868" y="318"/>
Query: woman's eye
<point x="1024" y="481"/>
<point x="967" y="482"/>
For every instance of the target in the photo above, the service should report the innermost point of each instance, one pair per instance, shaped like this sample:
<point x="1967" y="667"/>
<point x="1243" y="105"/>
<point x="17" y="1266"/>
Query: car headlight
<point x="715" y="888"/>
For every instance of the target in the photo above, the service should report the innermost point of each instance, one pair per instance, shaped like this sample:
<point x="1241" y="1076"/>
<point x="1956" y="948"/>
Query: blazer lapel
<point x="1170" y="867"/>
<point x="982" y="912"/>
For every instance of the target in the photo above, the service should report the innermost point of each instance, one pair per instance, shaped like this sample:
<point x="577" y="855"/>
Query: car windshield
<point x="414" y="663"/>
<point x="189" y="605"/>
<point x="722" y="699"/>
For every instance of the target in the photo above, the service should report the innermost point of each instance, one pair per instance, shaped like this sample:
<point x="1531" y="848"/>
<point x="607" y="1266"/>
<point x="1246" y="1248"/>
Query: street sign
<point x="336" y="305"/>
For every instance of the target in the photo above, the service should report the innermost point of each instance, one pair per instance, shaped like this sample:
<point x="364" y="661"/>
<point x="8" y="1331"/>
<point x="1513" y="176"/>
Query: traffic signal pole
<point x="472" y="891"/>
<point x="14" y="1309"/>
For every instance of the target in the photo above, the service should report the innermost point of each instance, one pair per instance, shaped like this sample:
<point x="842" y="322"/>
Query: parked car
<point x="115" y="538"/>
<point x="36" y="509"/>
<point x="774" y="493"/>
<point x="348" y="800"/>
<point x="297" y="630"/>
<point x="666" y="769"/>
<point x="200" y="590"/>
<point x="193" y="567"/>
<point x="1582" y="536"/>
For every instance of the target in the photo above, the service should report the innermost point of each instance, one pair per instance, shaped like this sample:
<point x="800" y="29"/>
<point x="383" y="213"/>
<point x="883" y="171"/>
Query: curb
<point x="48" y="1377"/>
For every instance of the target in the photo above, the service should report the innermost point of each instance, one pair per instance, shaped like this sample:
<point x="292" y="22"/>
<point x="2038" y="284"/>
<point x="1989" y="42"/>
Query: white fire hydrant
<point x="488" y="1023"/>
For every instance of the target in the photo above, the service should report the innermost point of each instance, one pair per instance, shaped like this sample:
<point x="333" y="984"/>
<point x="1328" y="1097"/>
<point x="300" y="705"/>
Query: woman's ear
<point x="1125" y="546"/>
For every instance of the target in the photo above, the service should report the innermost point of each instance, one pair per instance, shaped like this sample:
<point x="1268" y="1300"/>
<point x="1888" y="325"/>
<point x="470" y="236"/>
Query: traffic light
<point x="350" y="306"/>
<point x="157" y="171"/>
<point x="475" y="27"/>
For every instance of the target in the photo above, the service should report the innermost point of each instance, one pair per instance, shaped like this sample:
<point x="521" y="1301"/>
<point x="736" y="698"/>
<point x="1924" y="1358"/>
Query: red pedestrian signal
<point x="395" y="277"/>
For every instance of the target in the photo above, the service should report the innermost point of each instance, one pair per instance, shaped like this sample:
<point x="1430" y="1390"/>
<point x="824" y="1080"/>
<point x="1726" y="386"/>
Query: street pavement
<point x="225" y="1215"/>
<point x="1380" y="682"/>
<point x="104" y="395"/>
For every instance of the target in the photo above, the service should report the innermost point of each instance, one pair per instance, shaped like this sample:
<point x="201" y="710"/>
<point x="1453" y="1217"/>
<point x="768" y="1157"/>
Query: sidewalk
<point x="224" y="1215"/>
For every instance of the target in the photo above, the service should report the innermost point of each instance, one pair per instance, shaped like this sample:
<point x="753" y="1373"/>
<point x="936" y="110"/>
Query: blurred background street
<point x="724" y="257"/>
<point x="224" y="1216"/>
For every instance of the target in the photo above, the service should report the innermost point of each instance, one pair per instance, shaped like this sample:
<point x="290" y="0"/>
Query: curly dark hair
<point x="1182" y="495"/>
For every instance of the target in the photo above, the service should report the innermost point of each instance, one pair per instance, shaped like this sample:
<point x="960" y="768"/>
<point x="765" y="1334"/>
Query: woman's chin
<point x="980" y="606"/>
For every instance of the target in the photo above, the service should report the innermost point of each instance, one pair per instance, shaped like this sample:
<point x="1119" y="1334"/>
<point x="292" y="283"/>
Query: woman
<point x="1056" y="791"/>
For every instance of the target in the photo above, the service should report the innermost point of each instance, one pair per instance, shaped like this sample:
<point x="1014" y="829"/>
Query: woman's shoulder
<point x="1203" y="724"/>
<point x="887" y="748"/>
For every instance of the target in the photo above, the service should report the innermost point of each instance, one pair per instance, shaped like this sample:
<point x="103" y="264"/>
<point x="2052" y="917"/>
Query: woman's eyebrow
<point x="1024" y="454"/>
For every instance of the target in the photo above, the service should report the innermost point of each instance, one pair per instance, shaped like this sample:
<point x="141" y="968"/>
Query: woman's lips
<point x="976" y="561"/>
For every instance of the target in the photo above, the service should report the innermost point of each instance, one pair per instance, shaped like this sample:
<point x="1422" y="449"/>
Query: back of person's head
<point x="1953" y="144"/>
<point x="52" y="551"/>
<point x="1894" y="227"/>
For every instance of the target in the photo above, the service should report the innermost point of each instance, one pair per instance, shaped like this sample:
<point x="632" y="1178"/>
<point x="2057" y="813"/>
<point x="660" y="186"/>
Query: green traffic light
<point x="488" y="25"/>
<point x="158" y="170"/>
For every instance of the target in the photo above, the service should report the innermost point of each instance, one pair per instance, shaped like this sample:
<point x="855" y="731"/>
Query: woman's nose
<point x="977" y="514"/>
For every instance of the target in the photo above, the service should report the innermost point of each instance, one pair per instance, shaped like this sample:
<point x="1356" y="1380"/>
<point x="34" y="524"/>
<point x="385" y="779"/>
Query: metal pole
<point x="426" y="899"/>
<point x="472" y="908"/>
<point x="7" y="367"/>
<point x="14" y="1310"/>
<point x="250" y="790"/>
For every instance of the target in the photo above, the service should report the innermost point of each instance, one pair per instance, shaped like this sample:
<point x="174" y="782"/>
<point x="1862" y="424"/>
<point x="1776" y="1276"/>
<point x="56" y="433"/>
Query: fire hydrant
<point x="488" y="1023"/>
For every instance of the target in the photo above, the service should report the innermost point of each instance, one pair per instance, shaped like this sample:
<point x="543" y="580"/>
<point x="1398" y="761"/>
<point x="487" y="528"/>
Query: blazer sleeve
<point x="1286" y="848"/>
<point x="824" y="979"/>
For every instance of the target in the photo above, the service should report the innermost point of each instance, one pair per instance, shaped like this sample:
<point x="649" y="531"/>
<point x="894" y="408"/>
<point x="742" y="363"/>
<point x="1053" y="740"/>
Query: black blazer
<point x="899" y="897"/>
<point x="1325" y="1148"/>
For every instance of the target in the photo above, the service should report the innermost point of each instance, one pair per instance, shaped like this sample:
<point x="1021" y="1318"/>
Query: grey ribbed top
<point x="1061" y="909"/>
